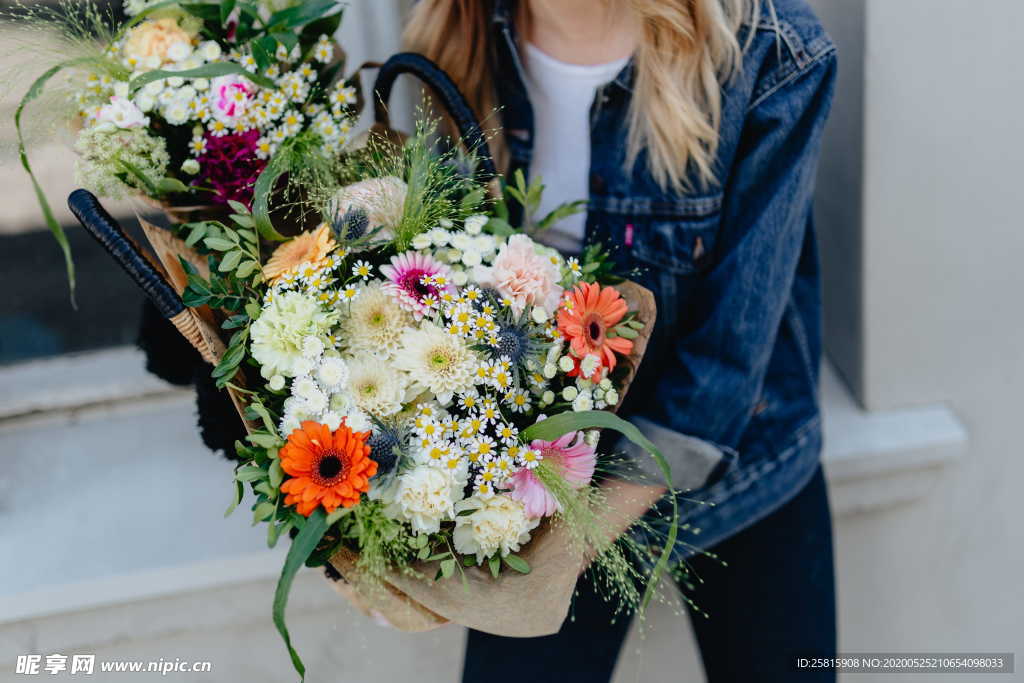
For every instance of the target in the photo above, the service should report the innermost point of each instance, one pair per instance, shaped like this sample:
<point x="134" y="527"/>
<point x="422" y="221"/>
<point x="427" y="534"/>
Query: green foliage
<point x="529" y="196"/>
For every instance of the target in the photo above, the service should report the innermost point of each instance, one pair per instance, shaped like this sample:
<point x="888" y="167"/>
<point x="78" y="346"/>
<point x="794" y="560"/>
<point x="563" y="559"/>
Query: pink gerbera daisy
<point x="572" y="458"/>
<point x="415" y="279"/>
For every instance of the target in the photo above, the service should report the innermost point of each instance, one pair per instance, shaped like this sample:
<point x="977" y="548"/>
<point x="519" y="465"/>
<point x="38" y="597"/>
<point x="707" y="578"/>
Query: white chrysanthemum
<point x="375" y="322"/>
<point x="436" y="360"/>
<point x="279" y="334"/>
<point x="332" y="373"/>
<point x="425" y="496"/>
<point x="498" y="525"/>
<point x="374" y="386"/>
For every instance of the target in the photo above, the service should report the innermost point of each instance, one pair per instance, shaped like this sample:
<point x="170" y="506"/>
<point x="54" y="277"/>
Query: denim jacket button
<point x="597" y="183"/>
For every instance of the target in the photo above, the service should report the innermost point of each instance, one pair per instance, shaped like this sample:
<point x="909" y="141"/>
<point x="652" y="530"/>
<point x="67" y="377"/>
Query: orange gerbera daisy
<point x="309" y="247"/>
<point x="586" y="316"/>
<point x="328" y="469"/>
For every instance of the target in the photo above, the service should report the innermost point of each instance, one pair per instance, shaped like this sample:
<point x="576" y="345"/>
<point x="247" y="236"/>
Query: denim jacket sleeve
<point x="737" y="306"/>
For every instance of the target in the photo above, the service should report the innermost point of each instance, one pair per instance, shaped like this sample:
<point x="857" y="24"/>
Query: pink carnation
<point x="524" y="276"/>
<point x="231" y="96"/>
<point x="574" y="461"/>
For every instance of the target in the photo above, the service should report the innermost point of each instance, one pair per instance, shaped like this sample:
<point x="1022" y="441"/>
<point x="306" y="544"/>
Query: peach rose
<point x="155" y="39"/>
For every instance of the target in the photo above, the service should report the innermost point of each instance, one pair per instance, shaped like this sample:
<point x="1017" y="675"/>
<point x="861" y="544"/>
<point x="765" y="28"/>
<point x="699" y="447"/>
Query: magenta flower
<point x="416" y="281"/>
<point x="573" y="460"/>
<point x="230" y="166"/>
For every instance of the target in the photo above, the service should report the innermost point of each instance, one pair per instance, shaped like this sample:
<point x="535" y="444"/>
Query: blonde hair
<point x="687" y="50"/>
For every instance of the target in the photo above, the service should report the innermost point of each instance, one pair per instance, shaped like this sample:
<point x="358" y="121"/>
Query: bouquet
<point x="423" y="386"/>
<point x="189" y="104"/>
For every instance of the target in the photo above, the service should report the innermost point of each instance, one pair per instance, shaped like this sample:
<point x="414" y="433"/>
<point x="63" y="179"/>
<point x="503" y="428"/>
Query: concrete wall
<point x="926" y="267"/>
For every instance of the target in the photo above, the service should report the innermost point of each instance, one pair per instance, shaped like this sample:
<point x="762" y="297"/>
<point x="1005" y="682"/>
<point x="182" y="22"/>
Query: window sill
<point x="872" y="461"/>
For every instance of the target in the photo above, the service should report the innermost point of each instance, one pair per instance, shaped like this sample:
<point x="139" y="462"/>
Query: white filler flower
<point x="498" y="525"/>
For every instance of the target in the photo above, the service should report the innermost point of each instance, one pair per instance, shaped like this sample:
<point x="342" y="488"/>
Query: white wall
<point x="939" y="309"/>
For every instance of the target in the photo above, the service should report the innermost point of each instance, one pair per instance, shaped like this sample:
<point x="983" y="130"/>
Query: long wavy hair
<point x="686" y="51"/>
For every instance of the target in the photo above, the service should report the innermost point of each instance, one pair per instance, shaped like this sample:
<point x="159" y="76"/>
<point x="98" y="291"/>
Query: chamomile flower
<point x="362" y="269"/>
<point x="323" y="51"/>
<point x="518" y="400"/>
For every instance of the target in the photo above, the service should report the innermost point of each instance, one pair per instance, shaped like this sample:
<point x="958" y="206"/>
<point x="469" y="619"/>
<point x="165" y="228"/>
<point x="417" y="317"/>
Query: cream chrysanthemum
<point x="498" y="525"/>
<point x="375" y="322"/>
<point x="437" y="361"/>
<point x="279" y="334"/>
<point x="375" y="387"/>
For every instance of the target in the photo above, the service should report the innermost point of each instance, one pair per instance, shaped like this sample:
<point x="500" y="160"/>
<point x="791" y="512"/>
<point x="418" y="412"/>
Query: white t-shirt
<point x="561" y="95"/>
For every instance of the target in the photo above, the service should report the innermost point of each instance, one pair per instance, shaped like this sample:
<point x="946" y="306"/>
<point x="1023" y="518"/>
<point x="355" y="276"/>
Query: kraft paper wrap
<point x="514" y="604"/>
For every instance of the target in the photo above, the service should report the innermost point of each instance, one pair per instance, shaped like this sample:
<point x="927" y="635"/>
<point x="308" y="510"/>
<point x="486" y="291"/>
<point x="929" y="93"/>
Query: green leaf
<point x="468" y="560"/>
<point x="238" y="207"/>
<point x="51" y="222"/>
<point x="472" y="199"/>
<point x="246" y="269"/>
<point x="561" y="211"/>
<point x="197" y="233"/>
<point x="423" y="553"/>
<point x="208" y="12"/>
<point x="218" y="244"/>
<point x="265" y="440"/>
<point x="211" y="70"/>
<point x="230" y="261"/>
<point x="465" y="513"/>
<point x="239" y="492"/>
<point x="274" y="532"/>
<point x="559" y="425"/>
<point x="244" y="220"/>
<point x="250" y="473"/>
<point x="494" y="562"/>
<point x="447" y="568"/>
<point x="302" y="547"/>
<point x="262" y="189"/>
<point x="517" y="563"/>
<point x="226" y="8"/>
<point x="262" y="512"/>
<point x="303" y="13"/>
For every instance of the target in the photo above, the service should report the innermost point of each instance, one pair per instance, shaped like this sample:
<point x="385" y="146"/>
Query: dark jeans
<point x="773" y="601"/>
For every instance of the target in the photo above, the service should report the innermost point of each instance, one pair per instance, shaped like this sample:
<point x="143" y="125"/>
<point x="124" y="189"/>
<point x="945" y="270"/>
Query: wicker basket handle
<point x="101" y="225"/>
<point x="453" y="101"/>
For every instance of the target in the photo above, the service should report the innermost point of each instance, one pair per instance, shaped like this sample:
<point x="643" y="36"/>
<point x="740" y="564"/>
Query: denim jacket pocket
<point x="678" y="236"/>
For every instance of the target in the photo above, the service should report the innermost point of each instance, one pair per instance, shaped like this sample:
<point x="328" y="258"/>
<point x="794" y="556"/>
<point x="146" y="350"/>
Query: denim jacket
<point x="728" y="387"/>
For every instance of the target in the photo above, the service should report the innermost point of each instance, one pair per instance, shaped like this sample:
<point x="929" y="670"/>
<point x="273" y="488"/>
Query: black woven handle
<point x="446" y="92"/>
<point x="94" y="218"/>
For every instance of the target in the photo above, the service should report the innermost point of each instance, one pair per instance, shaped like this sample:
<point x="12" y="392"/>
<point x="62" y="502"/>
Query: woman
<point x="693" y="128"/>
